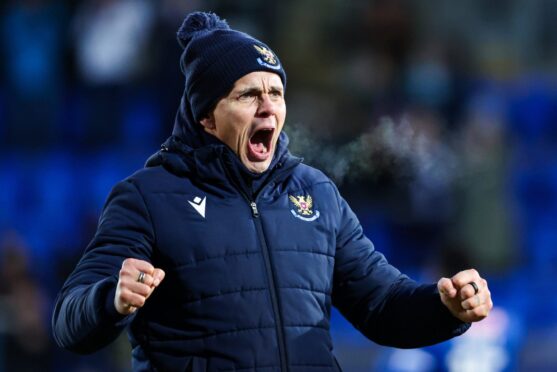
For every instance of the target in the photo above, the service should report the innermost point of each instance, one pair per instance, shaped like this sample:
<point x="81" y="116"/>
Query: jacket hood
<point x="187" y="129"/>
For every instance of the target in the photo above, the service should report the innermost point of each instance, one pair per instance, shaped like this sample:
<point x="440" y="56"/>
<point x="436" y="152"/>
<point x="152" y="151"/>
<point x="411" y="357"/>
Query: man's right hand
<point x="134" y="288"/>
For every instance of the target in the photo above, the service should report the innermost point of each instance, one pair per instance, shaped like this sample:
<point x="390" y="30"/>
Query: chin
<point x="256" y="167"/>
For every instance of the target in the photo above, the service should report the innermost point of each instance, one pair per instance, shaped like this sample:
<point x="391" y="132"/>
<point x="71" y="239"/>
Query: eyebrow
<point x="274" y="88"/>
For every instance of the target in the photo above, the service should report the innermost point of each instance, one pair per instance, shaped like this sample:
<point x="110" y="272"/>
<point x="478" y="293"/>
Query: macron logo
<point x="199" y="205"/>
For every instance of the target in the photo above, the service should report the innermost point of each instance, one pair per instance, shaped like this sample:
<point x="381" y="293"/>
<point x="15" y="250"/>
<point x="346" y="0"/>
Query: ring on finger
<point x="141" y="277"/>
<point x="475" y="286"/>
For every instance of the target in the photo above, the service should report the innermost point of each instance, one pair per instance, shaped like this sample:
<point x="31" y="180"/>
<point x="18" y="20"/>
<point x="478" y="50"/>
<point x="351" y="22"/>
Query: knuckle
<point x="144" y="291"/>
<point x="125" y="296"/>
<point x="464" y="293"/>
<point x="140" y="301"/>
<point x="127" y="262"/>
<point x="148" y="281"/>
<point x="159" y="274"/>
<point x="124" y="281"/>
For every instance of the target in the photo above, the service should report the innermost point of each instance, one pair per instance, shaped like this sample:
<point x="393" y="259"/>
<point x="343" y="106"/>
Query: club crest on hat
<point x="269" y="59"/>
<point x="304" y="205"/>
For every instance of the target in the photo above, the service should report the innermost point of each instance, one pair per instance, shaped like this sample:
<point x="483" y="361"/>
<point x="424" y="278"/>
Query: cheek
<point x="281" y="116"/>
<point x="233" y="129"/>
<point x="281" y="113"/>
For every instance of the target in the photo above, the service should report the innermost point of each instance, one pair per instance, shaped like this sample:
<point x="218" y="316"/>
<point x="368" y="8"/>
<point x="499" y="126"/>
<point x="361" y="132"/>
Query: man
<point x="226" y="252"/>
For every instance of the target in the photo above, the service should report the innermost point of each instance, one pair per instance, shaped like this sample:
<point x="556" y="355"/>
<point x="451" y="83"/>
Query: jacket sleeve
<point x="84" y="318"/>
<point x="383" y="304"/>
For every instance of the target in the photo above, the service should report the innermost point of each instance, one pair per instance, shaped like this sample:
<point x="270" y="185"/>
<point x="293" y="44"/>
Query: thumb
<point x="446" y="287"/>
<point x="158" y="276"/>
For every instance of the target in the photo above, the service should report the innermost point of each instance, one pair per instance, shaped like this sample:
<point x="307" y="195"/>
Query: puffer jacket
<point x="252" y="268"/>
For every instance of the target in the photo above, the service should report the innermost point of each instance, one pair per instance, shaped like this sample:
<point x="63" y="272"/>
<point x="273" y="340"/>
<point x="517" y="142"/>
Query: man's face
<point x="250" y="118"/>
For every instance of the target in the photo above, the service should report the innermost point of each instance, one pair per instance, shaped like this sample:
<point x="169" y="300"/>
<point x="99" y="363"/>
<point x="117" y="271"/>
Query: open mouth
<point x="259" y="144"/>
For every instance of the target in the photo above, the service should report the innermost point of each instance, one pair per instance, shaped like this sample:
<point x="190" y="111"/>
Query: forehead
<point x="259" y="79"/>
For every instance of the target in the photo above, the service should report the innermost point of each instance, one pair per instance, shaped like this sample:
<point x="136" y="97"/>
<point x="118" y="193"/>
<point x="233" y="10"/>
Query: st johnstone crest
<point x="267" y="59"/>
<point x="303" y="208"/>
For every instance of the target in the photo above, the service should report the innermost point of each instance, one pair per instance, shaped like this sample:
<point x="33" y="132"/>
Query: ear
<point x="208" y="123"/>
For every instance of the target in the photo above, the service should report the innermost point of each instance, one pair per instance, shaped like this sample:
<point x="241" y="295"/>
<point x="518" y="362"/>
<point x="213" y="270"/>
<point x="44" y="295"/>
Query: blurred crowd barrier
<point x="436" y="119"/>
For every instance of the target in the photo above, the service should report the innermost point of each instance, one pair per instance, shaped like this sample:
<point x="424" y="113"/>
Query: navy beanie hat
<point x="215" y="56"/>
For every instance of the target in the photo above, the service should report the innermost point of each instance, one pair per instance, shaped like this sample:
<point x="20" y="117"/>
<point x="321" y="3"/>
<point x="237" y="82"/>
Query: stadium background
<point x="436" y="118"/>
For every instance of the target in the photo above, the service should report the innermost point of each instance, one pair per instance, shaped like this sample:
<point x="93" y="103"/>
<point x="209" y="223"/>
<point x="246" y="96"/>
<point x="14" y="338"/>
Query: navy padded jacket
<point x="249" y="286"/>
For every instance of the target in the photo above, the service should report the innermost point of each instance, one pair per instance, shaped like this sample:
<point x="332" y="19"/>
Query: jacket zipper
<point x="272" y="287"/>
<point x="252" y="201"/>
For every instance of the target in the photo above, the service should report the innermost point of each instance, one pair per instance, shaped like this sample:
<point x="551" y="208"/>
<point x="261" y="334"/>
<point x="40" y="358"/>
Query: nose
<point x="266" y="106"/>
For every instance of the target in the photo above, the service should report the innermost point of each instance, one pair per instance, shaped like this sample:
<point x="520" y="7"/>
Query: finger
<point x="138" y="288"/>
<point x="130" y="274"/>
<point x="467" y="291"/>
<point x="145" y="279"/>
<point x="158" y="276"/>
<point x="128" y="309"/>
<point x="132" y="299"/>
<point x="134" y="266"/>
<point x="472" y="302"/>
<point x="478" y="313"/>
<point x="136" y="270"/>
<point x="464" y="277"/>
<point x="445" y="287"/>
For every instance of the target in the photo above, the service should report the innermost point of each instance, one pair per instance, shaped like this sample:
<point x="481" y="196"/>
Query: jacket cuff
<point x="108" y="312"/>
<point x="448" y="320"/>
<point x="110" y="309"/>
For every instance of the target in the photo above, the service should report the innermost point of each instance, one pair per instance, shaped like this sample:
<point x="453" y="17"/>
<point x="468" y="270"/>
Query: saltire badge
<point x="303" y="208"/>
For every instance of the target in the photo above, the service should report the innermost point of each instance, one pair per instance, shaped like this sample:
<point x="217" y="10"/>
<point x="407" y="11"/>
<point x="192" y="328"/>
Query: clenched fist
<point x="466" y="295"/>
<point x="136" y="282"/>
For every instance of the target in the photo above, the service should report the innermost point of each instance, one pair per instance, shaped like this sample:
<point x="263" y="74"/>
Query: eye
<point x="275" y="93"/>
<point x="248" y="96"/>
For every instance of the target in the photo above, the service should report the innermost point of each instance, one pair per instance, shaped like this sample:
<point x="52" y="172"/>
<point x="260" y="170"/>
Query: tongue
<point x="257" y="149"/>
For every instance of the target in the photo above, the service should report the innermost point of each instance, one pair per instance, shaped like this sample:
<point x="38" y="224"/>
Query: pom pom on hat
<point x="215" y="56"/>
<point x="199" y="21"/>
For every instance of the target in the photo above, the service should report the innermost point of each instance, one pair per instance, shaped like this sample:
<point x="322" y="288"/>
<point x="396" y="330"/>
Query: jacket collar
<point x="190" y="151"/>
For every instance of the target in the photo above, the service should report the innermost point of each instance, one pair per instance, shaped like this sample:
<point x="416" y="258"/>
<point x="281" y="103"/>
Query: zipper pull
<point x="254" y="210"/>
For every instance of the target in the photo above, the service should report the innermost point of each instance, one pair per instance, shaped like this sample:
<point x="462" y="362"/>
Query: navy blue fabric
<point x="243" y="291"/>
<point x="215" y="56"/>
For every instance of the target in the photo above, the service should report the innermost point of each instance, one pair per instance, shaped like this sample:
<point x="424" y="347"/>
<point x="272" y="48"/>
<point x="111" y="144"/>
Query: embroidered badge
<point x="269" y="59"/>
<point x="304" y="206"/>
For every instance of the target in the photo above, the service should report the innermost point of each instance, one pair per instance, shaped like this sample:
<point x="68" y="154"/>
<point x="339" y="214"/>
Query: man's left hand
<point x="466" y="301"/>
